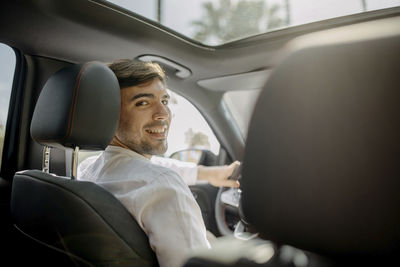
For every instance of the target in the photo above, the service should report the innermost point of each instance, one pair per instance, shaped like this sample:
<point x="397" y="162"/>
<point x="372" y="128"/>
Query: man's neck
<point x="116" y="142"/>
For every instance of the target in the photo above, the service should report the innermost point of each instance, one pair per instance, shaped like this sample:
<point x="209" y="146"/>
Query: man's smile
<point x="158" y="132"/>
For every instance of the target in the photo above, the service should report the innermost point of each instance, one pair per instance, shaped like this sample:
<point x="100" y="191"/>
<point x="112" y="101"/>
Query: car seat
<point x="77" y="108"/>
<point x="321" y="168"/>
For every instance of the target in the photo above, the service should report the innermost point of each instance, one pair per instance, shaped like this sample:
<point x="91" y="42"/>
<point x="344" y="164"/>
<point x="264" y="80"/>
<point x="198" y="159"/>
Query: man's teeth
<point x="156" y="130"/>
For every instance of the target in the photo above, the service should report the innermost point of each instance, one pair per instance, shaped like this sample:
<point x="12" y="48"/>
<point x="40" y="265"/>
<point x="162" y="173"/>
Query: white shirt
<point x="157" y="197"/>
<point x="186" y="170"/>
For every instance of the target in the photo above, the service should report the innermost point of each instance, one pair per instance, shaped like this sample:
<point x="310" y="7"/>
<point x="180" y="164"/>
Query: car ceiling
<point x="84" y="30"/>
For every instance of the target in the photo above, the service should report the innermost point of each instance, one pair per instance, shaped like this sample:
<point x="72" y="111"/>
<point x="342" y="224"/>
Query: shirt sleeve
<point x="170" y="216"/>
<point x="82" y="172"/>
<point x="186" y="170"/>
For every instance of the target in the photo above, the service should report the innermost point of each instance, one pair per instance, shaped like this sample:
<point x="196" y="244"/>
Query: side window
<point x="7" y="68"/>
<point x="188" y="128"/>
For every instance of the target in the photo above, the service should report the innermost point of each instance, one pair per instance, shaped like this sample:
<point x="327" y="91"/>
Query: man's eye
<point x="142" y="103"/>
<point x="165" y="102"/>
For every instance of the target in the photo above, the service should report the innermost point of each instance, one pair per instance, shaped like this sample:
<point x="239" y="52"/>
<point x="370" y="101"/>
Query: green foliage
<point x="196" y="139"/>
<point x="231" y="20"/>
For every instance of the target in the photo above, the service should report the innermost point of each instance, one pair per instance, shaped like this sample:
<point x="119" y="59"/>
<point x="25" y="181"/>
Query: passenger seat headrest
<point x="321" y="169"/>
<point x="78" y="106"/>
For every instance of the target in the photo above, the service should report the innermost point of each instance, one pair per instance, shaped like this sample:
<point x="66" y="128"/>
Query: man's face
<point x="144" y="118"/>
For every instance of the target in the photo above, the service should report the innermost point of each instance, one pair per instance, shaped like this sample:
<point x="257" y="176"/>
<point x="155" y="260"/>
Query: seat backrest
<point x="78" y="107"/>
<point x="322" y="152"/>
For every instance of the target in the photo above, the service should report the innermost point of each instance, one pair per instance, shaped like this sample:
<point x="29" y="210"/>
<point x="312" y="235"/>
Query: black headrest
<point x="321" y="169"/>
<point x="78" y="106"/>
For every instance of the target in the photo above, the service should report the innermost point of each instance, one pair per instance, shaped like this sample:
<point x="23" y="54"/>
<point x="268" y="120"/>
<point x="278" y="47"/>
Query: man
<point x="157" y="197"/>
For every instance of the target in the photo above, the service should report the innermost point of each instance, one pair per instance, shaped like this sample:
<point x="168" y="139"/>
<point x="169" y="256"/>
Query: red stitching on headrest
<point x="74" y="97"/>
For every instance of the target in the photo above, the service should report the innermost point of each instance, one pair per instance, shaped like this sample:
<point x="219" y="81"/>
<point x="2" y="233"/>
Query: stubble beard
<point x="149" y="149"/>
<point x="142" y="146"/>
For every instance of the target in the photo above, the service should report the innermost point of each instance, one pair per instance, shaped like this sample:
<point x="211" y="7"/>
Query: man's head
<point x="145" y="117"/>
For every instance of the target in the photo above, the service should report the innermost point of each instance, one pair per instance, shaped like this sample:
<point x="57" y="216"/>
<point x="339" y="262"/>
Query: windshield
<point x="215" y="22"/>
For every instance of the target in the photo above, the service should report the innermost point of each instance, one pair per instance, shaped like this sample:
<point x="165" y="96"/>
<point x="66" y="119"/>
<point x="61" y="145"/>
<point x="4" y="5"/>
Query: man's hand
<point x="218" y="175"/>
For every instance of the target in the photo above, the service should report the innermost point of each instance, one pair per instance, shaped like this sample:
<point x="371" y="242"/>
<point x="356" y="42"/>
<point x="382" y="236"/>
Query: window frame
<point x="11" y="157"/>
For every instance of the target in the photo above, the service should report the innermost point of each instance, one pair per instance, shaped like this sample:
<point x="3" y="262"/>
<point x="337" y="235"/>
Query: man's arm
<point x="218" y="175"/>
<point x="190" y="172"/>
<point x="186" y="170"/>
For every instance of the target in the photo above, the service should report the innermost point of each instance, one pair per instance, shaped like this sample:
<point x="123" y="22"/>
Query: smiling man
<point x="157" y="197"/>
<point x="144" y="118"/>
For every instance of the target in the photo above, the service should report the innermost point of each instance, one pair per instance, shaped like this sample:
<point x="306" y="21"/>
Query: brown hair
<point x="132" y="72"/>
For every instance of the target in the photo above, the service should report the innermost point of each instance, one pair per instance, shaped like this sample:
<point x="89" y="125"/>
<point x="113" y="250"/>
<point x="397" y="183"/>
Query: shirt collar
<point x="126" y="151"/>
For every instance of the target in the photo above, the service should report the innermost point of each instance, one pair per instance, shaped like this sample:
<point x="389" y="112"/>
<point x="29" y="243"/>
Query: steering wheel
<point x="227" y="198"/>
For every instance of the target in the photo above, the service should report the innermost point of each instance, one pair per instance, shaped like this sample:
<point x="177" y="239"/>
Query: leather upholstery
<point x="67" y="113"/>
<point x="321" y="168"/>
<point x="79" y="218"/>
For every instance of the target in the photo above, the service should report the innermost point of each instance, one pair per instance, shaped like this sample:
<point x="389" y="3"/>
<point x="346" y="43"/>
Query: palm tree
<point x="287" y="6"/>
<point x="159" y="7"/>
<point x="228" y="21"/>
<point x="364" y="5"/>
<point x="210" y="25"/>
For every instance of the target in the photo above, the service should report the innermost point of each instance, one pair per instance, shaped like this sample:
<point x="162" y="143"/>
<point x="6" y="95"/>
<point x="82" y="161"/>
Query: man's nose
<point x="162" y="112"/>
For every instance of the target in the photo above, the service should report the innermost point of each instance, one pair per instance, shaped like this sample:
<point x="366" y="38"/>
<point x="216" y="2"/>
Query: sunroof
<point x="215" y="22"/>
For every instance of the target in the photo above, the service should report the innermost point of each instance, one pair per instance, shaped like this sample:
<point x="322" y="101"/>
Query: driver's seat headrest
<point x="78" y="107"/>
<point x="321" y="169"/>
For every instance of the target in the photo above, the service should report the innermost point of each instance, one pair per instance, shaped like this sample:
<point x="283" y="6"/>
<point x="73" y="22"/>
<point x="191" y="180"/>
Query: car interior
<point x="319" y="172"/>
